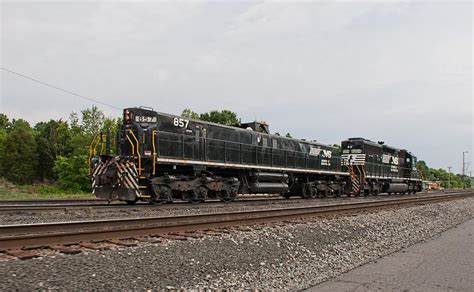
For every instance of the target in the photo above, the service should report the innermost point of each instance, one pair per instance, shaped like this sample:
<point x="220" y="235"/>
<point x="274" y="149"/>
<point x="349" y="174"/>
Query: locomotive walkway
<point x="442" y="264"/>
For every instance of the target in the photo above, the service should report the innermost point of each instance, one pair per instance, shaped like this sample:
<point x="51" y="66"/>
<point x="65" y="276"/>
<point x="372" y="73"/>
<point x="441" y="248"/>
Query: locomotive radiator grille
<point x="115" y="173"/>
<point x="127" y="174"/>
<point x="98" y="170"/>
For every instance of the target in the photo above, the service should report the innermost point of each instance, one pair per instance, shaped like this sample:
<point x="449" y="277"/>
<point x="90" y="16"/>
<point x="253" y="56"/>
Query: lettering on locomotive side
<point x="145" y="119"/>
<point x="389" y="159"/>
<point x="318" y="151"/>
<point x="180" y="122"/>
<point x="353" y="159"/>
<point x="314" y="151"/>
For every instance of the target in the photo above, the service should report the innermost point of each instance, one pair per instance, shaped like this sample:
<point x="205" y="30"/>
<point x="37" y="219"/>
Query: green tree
<point x="74" y="120"/>
<point x="18" y="158"/>
<point x="187" y="113"/>
<point x="92" y="120"/>
<point x="53" y="138"/>
<point x="224" y="117"/>
<point x="4" y="124"/>
<point x="423" y="169"/>
<point x="73" y="173"/>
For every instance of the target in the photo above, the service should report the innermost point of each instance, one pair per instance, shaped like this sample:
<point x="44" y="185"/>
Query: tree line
<point x="224" y="117"/>
<point x="55" y="152"/>
<point x="447" y="180"/>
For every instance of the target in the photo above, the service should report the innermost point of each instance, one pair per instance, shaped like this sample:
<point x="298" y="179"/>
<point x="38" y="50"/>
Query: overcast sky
<point x="397" y="72"/>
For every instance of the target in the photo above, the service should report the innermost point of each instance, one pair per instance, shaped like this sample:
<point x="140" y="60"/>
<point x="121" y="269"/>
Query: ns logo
<point x="318" y="151"/>
<point x="390" y="159"/>
<point x="327" y="153"/>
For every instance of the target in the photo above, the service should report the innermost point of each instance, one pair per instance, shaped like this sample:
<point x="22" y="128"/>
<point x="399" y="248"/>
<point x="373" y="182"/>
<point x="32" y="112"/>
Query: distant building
<point x="432" y="185"/>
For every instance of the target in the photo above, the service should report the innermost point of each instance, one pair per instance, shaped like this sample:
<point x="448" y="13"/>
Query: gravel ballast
<point x="177" y="209"/>
<point x="296" y="255"/>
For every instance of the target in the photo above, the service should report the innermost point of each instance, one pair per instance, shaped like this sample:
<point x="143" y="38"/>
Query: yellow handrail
<point x="102" y="144"/>
<point x="154" y="150"/>
<point x="138" y="153"/>
<point x="131" y="143"/>
<point x="92" y="151"/>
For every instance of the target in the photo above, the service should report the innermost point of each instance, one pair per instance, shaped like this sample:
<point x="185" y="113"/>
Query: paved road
<point x="445" y="263"/>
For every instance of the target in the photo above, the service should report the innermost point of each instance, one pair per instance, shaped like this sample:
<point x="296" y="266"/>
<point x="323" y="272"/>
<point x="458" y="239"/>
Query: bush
<point x="73" y="173"/>
<point x="18" y="156"/>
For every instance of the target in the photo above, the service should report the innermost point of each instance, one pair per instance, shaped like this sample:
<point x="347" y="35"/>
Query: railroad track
<point x="48" y="234"/>
<point x="12" y="206"/>
<point x="52" y="205"/>
<point x="41" y="202"/>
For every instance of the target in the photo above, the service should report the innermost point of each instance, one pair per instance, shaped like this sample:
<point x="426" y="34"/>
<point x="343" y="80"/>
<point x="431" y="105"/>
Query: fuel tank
<point x="270" y="176"/>
<point x="395" y="188"/>
<point x="268" y="187"/>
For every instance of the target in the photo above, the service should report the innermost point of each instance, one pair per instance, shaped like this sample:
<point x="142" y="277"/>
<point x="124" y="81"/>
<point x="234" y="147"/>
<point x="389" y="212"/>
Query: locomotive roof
<point x="229" y="127"/>
<point x="363" y="140"/>
<point x="370" y="142"/>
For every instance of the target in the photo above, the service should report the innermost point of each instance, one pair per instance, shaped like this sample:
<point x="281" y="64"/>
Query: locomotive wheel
<point x="162" y="194"/>
<point x="311" y="193"/>
<point x="226" y="196"/>
<point x="191" y="197"/>
<point x="304" y="193"/>
<point x="202" y="191"/>
<point x="320" y="194"/>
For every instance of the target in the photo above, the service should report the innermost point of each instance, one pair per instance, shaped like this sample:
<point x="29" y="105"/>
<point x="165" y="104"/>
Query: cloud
<point x="399" y="72"/>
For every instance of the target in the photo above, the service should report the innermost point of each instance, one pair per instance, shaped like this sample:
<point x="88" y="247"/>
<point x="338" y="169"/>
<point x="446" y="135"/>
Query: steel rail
<point x="28" y="235"/>
<point x="61" y="204"/>
<point x="122" y="205"/>
<point x="37" y="202"/>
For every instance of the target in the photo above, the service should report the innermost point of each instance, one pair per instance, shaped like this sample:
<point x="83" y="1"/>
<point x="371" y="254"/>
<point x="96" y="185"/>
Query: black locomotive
<point x="162" y="158"/>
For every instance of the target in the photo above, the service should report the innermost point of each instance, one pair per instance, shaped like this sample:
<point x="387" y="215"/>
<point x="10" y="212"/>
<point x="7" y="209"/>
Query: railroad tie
<point x="187" y="234"/>
<point x="122" y="242"/>
<point x="173" y="237"/>
<point x="94" y="246"/>
<point x="66" y="249"/>
<point x="23" y="254"/>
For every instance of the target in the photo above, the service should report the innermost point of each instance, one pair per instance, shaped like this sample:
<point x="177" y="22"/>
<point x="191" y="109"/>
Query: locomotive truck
<point x="163" y="158"/>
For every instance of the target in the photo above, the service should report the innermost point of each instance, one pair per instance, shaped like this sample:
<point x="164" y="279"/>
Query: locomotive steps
<point x="48" y="234"/>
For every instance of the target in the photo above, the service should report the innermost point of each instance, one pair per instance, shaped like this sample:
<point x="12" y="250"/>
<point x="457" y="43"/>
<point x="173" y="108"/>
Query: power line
<point x="60" y="89"/>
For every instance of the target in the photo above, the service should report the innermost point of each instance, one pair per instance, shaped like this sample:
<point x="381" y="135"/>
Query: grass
<point x="9" y="191"/>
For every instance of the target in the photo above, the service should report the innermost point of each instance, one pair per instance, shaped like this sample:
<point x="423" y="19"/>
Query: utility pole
<point x="449" y="176"/>
<point x="463" y="174"/>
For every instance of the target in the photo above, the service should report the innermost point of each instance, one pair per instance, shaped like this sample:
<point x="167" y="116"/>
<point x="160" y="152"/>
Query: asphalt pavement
<point x="444" y="263"/>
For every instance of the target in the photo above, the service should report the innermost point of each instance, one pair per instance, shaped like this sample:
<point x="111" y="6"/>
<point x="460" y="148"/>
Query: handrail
<point x="131" y="144"/>
<point x="92" y="151"/>
<point x="138" y="152"/>
<point x="102" y="143"/>
<point x="261" y="155"/>
<point x="154" y="150"/>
